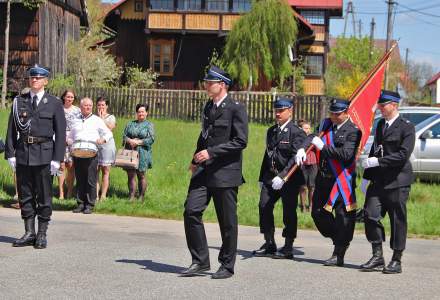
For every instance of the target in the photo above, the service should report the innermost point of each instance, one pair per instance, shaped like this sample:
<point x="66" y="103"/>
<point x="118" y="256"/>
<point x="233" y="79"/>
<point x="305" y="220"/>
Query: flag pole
<point x="385" y="58"/>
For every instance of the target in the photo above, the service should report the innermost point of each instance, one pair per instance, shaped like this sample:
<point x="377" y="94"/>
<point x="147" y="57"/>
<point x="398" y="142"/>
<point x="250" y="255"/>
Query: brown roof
<point x="433" y="79"/>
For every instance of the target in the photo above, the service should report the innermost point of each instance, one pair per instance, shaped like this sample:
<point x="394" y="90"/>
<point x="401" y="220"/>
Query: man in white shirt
<point x="92" y="129"/>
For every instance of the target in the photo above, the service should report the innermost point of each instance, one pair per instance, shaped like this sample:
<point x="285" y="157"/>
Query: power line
<point x="407" y="10"/>
<point x="420" y="12"/>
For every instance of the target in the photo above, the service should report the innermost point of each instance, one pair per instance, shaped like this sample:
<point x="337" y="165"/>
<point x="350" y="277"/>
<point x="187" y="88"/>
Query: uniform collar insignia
<point x="286" y="129"/>
<point x="44" y="100"/>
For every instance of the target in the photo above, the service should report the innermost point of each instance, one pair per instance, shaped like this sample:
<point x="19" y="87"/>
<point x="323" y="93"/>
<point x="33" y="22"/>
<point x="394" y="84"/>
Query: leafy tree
<point x="137" y="78"/>
<point x="259" y="42"/>
<point x="90" y="64"/>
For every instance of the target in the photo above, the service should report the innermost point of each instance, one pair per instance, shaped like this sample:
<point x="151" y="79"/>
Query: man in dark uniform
<point x="35" y="145"/>
<point x="216" y="172"/>
<point x="389" y="170"/>
<point x="336" y="180"/>
<point x="283" y="140"/>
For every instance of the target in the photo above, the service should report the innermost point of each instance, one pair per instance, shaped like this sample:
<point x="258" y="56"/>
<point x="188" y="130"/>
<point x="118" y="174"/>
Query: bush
<point x="61" y="82"/>
<point x="137" y="78"/>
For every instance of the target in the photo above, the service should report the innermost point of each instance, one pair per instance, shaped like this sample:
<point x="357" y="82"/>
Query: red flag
<point x="363" y="105"/>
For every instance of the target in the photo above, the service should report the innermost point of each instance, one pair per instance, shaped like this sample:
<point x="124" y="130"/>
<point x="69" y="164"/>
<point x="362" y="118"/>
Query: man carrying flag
<point x="336" y="180"/>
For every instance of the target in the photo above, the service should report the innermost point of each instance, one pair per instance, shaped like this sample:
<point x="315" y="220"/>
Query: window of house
<point x="161" y="56"/>
<point x="241" y="5"/>
<point x="313" y="65"/>
<point x="189" y="5"/>
<point x="217" y="5"/>
<point x="162" y="4"/>
<point x="316" y="17"/>
<point x="138" y="5"/>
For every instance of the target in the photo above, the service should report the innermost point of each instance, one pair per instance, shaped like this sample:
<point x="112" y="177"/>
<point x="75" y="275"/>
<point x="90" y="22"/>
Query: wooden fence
<point x="188" y="104"/>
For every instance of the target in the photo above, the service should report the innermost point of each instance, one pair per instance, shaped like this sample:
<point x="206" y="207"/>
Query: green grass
<point x="169" y="178"/>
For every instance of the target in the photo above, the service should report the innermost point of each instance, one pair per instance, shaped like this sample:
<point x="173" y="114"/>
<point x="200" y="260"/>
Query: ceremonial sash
<point x="343" y="177"/>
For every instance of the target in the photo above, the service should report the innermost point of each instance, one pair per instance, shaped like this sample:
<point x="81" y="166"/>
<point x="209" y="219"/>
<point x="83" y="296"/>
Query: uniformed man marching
<point x="334" y="200"/>
<point x="390" y="173"/>
<point x="283" y="140"/>
<point x="217" y="173"/>
<point x="35" y="146"/>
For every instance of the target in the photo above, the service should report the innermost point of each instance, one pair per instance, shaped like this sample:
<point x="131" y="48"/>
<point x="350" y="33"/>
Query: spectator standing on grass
<point x="390" y="174"/>
<point x="107" y="151"/>
<point x="139" y="135"/>
<point x="67" y="171"/>
<point x="309" y="170"/>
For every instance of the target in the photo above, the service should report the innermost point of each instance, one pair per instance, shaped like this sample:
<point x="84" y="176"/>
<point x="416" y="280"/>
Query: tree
<point x="259" y="42"/>
<point x="90" y="64"/>
<point x="30" y="4"/>
<point x="418" y="73"/>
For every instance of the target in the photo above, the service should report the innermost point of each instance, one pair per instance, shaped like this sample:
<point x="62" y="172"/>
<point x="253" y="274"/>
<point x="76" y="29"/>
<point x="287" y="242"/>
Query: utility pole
<point x="373" y="24"/>
<point x="389" y="35"/>
<point x="360" y="28"/>
<point x="349" y="10"/>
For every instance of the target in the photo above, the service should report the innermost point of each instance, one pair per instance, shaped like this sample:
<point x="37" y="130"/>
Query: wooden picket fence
<point x="188" y="104"/>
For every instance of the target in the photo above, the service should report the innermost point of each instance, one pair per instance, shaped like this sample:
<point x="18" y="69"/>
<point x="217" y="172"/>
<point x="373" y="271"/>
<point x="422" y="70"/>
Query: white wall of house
<point x="436" y="99"/>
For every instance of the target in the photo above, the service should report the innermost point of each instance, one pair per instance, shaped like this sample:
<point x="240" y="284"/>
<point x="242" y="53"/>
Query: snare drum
<point x="84" y="149"/>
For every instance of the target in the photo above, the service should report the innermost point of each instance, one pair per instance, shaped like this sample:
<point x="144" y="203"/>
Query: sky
<point x="417" y="31"/>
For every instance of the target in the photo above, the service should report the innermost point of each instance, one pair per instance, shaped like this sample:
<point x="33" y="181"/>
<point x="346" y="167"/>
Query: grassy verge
<point x="168" y="183"/>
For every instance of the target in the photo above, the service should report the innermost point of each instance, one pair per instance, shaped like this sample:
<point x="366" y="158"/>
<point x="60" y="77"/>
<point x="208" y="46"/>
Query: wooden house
<point x="176" y="38"/>
<point x="40" y="36"/>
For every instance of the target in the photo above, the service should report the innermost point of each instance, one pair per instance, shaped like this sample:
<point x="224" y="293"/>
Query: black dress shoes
<point x="222" y="273"/>
<point x="79" y="209"/>
<point x="376" y="263"/>
<point x="268" y="249"/>
<point x="283" y="253"/>
<point x="88" y="211"/>
<point x="394" y="267"/>
<point x="195" y="269"/>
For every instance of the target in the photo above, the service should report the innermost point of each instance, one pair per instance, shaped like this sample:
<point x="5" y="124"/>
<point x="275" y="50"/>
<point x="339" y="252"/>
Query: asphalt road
<point x="110" y="257"/>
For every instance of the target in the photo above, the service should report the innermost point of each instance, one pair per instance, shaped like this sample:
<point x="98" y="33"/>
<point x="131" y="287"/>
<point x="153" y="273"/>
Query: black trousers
<point x="86" y="174"/>
<point x="268" y="198"/>
<point x="34" y="184"/>
<point x="225" y="201"/>
<point x="380" y="201"/>
<point x="338" y="226"/>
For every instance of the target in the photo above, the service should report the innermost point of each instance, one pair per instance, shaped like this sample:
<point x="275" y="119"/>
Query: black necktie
<point x="213" y="110"/>
<point x="34" y="102"/>
<point x="385" y="128"/>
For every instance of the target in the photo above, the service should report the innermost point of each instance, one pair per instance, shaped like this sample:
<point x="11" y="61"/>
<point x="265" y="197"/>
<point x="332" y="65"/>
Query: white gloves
<point x="277" y="183"/>
<point x="260" y="184"/>
<point x="318" y="143"/>
<point x="370" y="162"/>
<point x="364" y="185"/>
<point x="300" y="157"/>
<point x="12" y="163"/>
<point x="54" y="167"/>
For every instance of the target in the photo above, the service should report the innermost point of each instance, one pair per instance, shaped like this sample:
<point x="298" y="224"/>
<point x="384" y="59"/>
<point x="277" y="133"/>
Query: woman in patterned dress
<point x="67" y="172"/>
<point x="139" y="135"/>
<point x="107" y="151"/>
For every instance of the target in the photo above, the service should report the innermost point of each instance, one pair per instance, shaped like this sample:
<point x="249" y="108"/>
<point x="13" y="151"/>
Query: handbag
<point x="127" y="159"/>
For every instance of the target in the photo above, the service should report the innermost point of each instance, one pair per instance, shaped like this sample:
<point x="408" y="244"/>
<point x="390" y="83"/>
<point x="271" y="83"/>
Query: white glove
<point x="260" y="184"/>
<point x="12" y="163"/>
<point x="364" y="185"/>
<point x="277" y="183"/>
<point x="300" y="157"/>
<point x="370" y="162"/>
<point x="54" y="167"/>
<point x="318" y="143"/>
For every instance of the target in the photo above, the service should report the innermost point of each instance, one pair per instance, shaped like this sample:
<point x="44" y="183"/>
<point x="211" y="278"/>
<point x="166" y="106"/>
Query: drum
<point x="84" y="149"/>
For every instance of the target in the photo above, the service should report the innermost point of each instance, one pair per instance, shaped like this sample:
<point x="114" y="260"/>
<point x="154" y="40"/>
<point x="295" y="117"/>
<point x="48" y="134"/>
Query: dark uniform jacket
<point x="346" y="142"/>
<point x="394" y="168"/>
<point x="47" y="122"/>
<point x="224" y="135"/>
<point x="279" y="157"/>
